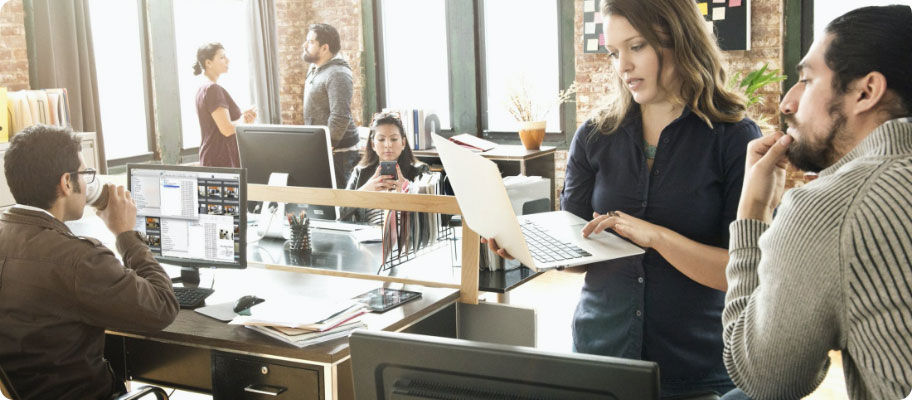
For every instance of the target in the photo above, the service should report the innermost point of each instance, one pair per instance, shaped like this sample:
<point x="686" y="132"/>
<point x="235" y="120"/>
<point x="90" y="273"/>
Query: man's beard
<point x="309" y="58"/>
<point x="813" y="157"/>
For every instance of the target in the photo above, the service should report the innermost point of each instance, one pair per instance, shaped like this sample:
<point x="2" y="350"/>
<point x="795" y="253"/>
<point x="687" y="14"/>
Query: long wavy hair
<point x="675" y="25"/>
<point x="406" y="160"/>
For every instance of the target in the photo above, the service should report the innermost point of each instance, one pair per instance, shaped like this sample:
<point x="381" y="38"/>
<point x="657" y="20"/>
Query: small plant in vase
<point x="531" y="114"/>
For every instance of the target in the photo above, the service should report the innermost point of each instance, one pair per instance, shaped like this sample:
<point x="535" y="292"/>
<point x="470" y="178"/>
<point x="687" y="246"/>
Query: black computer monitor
<point x="192" y="217"/>
<point x="388" y="365"/>
<point x="303" y="152"/>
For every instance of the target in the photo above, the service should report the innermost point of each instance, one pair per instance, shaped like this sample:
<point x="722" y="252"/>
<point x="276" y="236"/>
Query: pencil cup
<point x="298" y="237"/>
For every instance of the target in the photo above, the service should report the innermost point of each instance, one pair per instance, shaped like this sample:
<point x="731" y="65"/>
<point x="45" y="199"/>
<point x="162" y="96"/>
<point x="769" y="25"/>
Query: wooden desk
<point x="512" y="160"/>
<point x="202" y="354"/>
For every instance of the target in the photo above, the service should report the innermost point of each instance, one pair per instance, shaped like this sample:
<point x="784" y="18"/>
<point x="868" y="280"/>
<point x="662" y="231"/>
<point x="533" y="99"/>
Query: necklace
<point x="649" y="150"/>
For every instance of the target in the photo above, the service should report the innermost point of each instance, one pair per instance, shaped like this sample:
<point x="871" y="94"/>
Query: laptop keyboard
<point x="545" y="248"/>
<point x="191" y="297"/>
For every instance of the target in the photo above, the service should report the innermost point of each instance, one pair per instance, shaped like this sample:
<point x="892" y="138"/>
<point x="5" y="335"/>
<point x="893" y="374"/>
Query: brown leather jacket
<point x="58" y="293"/>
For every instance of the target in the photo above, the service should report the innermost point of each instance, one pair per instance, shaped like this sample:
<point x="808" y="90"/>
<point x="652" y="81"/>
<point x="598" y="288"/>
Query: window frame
<point x="468" y="98"/>
<point x="151" y="144"/>
<point x="164" y="128"/>
<point x="798" y="21"/>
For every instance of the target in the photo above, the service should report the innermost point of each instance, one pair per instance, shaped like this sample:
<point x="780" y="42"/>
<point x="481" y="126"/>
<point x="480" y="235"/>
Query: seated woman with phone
<point x="388" y="165"/>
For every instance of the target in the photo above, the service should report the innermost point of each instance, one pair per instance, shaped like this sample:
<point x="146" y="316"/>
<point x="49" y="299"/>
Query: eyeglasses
<point x="88" y="172"/>
<point x="384" y="115"/>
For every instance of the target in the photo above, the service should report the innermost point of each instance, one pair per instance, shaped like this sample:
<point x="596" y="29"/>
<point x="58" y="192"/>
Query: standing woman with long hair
<point x="662" y="166"/>
<point x="218" y="114"/>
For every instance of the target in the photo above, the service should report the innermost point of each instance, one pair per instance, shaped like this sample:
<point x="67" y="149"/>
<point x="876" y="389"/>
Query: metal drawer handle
<point x="264" y="389"/>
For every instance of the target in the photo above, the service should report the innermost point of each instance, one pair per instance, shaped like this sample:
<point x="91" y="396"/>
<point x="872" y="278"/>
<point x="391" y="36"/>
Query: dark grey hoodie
<point x="327" y="101"/>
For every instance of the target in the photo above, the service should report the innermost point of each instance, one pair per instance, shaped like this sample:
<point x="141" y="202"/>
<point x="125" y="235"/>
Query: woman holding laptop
<point x="662" y="166"/>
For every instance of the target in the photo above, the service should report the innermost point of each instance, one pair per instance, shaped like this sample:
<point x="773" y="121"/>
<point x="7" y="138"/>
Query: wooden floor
<point x="554" y="294"/>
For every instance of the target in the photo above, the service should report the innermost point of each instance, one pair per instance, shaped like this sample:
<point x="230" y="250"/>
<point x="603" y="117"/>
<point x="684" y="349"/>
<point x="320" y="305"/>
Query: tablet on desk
<point x="383" y="299"/>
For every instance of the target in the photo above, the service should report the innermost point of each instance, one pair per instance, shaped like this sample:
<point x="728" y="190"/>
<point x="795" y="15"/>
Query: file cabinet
<point x="236" y="376"/>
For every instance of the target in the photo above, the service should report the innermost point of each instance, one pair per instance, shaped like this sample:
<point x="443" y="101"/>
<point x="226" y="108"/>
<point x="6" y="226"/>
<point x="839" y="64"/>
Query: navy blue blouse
<point x="642" y="307"/>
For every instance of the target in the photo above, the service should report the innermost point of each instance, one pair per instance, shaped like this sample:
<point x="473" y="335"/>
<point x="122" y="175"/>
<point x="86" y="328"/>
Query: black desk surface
<point x="194" y="329"/>
<point x="340" y="251"/>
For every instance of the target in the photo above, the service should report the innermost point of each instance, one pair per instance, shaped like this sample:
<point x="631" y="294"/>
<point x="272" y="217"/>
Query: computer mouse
<point x="246" y="302"/>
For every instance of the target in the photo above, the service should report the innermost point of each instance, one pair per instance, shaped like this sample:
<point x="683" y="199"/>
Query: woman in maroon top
<point x="217" y="112"/>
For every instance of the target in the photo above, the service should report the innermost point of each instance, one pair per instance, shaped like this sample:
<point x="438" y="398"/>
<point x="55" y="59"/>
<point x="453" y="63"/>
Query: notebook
<point x="539" y="241"/>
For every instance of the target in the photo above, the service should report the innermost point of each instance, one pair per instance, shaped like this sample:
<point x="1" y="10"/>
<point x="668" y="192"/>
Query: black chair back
<point x="6" y="387"/>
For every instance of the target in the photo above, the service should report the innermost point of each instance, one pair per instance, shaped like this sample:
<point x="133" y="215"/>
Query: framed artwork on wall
<point x="729" y="19"/>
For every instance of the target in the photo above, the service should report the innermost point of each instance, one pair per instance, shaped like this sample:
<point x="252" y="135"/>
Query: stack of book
<point x="304" y="321"/>
<point x="30" y="107"/>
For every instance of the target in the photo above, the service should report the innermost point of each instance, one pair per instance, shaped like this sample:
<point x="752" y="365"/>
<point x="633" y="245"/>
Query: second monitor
<point x="303" y="152"/>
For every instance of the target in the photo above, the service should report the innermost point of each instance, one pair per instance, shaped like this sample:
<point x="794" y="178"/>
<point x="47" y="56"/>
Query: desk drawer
<point x="242" y="377"/>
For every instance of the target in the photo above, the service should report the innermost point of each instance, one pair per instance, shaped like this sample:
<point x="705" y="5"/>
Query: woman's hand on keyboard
<point x="640" y="232"/>
<point x="492" y="244"/>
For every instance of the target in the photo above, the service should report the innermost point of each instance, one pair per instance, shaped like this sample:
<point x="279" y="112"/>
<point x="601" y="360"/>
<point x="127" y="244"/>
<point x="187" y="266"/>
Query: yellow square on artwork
<point x="704" y="9"/>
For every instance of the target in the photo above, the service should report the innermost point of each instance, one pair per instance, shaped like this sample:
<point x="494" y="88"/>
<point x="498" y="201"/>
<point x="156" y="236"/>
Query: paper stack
<point x="303" y="321"/>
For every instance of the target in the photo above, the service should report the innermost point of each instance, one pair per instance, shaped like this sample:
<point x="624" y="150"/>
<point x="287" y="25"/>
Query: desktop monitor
<point x="303" y="152"/>
<point x="192" y="217"/>
<point x="388" y="365"/>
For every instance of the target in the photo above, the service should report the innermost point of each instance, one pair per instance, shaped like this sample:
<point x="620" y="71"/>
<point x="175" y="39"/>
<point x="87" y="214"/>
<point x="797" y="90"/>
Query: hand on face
<point x="764" y="177"/>
<point x="120" y="214"/>
<point x="640" y="232"/>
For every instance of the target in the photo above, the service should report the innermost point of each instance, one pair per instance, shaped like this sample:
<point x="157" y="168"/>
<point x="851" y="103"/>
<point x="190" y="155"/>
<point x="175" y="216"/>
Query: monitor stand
<point x="189" y="276"/>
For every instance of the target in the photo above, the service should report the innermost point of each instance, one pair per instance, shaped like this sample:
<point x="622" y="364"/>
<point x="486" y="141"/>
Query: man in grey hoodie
<point x="327" y="96"/>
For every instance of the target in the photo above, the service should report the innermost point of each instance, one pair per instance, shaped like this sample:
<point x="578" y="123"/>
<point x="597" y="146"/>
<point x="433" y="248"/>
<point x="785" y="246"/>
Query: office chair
<point x="6" y="388"/>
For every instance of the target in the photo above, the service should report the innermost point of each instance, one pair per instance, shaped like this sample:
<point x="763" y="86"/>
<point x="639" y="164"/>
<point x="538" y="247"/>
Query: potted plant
<point x="750" y="85"/>
<point x="531" y="114"/>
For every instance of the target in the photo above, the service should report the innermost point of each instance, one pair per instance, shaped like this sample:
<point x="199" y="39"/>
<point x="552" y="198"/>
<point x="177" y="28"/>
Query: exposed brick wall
<point x="13" y="57"/>
<point x="292" y="19"/>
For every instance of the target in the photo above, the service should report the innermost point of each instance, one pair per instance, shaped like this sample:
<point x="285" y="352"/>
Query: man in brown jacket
<point x="58" y="291"/>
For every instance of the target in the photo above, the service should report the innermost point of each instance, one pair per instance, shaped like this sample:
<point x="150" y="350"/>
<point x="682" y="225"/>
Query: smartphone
<point x="382" y="299"/>
<point x="389" y="168"/>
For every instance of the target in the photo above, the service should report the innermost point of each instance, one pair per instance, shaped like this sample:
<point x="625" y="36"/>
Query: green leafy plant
<point x="751" y="84"/>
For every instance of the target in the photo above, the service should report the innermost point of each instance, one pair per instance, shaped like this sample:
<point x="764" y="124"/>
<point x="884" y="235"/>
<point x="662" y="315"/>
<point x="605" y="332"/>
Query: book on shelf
<point x="4" y="117"/>
<point x="29" y="107"/>
<point x="416" y="132"/>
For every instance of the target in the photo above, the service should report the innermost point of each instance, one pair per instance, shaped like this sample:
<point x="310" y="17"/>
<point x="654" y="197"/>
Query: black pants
<point x="343" y="163"/>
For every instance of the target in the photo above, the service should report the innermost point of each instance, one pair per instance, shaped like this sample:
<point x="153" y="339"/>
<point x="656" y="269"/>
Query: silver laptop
<point x="539" y="241"/>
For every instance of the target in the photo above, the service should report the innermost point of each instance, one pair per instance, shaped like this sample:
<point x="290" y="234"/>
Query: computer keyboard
<point x="335" y="225"/>
<point x="191" y="297"/>
<point x="545" y="248"/>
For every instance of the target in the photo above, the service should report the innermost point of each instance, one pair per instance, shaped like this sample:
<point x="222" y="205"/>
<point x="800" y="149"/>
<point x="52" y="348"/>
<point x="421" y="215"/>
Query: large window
<point x="465" y="58"/>
<point x="119" y="66"/>
<point x="826" y="11"/>
<point x="226" y="22"/>
<point x="517" y="60"/>
<point x="415" y="56"/>
<point x="139" y="79"/>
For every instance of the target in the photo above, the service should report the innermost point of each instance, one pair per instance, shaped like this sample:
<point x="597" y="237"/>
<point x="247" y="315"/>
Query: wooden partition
<point x="468" y="287"/>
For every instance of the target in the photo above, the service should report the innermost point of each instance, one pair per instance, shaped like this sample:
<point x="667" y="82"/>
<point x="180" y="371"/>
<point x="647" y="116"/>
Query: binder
<point x="4" y="117"/>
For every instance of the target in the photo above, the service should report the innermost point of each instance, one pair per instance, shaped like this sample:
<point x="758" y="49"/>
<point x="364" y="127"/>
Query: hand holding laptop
<point x="540" y="241"/>
<point x="492" y="245"/>
<point x="643" y="233"/>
